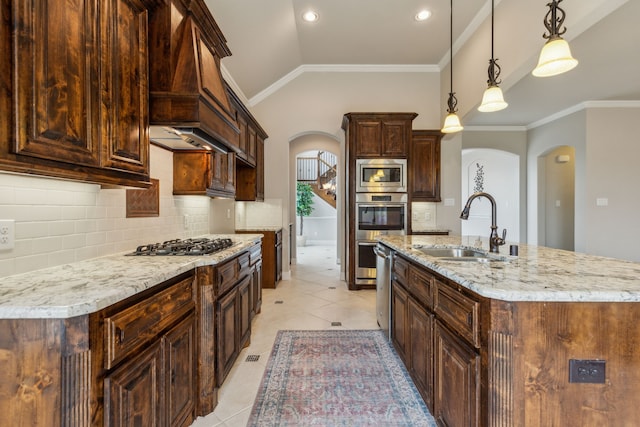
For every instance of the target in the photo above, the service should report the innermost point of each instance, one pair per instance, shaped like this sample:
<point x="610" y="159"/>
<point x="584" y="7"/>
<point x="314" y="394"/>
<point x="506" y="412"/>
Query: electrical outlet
<point x="587" y="371"/>
<point x="7" y="234"/>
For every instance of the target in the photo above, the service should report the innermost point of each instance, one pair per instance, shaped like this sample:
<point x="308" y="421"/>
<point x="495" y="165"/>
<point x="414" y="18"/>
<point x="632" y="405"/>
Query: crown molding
<point x="583" y="106"/>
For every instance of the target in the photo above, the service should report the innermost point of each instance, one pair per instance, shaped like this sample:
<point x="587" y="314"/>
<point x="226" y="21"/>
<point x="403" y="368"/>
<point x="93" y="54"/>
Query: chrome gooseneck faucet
<point x="494" y="241"/>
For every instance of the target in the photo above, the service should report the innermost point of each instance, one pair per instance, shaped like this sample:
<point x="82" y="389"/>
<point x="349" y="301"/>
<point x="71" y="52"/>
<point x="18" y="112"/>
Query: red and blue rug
<point x="336" y="378"/>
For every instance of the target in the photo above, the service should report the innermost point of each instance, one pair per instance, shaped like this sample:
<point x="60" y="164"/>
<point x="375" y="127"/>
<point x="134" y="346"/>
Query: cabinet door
<point x="80" y="92"/>
<point x="244" y="312"/>
<point x="230" y="175"/>
<point x="181" y="382"/>
<point x="124" y="86"/>
<point x="399" y="325"/>
<point x="191" y="172"/>
<point x="56" y="90"/>
<point x="133" y="392"/>
<point x="218" y="171"/>
<point x="421" y="348"/>
<point x="368" y="137"/>
<point x="256" y="289"/>
<point x="395" y="135"/>
<point x="227" y="337"/>
<point x="424" y="166"/>
<point x="251" y="145"/>
<point x="456" y="380"/>
<point x="259" y="169"/>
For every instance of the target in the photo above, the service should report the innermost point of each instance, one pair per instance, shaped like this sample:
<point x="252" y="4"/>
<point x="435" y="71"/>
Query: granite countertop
<point x="88" y="286"/>
<point x="258" y="229"/>
<point x="537" y="274"/>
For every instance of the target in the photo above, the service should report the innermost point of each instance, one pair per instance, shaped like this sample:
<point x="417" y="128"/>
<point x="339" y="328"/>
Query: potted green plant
<point x="304" y="202"/>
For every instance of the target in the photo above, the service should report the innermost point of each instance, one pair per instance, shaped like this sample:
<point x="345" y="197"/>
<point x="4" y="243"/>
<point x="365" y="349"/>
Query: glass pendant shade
<point x="452" y="124"/>
<point x="492" y="100"/>
<point x="555" y="58"/>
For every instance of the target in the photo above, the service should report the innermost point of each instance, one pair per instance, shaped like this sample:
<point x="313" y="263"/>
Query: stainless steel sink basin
<point x="458" y="254"/>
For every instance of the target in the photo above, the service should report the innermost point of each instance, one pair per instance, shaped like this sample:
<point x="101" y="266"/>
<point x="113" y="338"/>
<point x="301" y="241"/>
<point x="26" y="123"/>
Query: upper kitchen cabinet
<point x="187" y="95"/>
<point x="75" y="89"/>
<point x="204" y="173"/>
<point x="378" y="134"/>
<point x="250" y="159"/>
<point x="424" y="166"/>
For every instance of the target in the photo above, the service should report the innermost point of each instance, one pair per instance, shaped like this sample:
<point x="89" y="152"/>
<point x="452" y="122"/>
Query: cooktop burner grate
<point x="193" y="247"/>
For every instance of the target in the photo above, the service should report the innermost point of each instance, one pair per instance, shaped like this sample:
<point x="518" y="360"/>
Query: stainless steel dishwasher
<point x="384" y="261"/>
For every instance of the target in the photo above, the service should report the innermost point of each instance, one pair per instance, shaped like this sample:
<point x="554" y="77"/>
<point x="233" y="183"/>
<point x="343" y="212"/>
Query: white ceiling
<point x="270" y="43"/>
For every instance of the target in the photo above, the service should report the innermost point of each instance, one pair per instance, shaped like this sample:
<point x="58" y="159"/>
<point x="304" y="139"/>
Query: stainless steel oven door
<point x="365" y="262"/>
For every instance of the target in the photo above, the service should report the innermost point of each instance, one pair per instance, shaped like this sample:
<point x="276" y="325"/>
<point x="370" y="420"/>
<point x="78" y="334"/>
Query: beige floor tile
<point x="308" y="303"/>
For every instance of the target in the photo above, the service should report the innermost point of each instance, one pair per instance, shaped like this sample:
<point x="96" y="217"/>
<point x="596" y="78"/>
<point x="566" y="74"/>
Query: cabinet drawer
<point x="458" y="311"/>
<point x="255" y="254"/>
<point x="400" y="270"/>
<point x="420" y="285"/>
<point x="244" y="264"/>
<point x="133" y="327"/>
<point x="227" y="276"/>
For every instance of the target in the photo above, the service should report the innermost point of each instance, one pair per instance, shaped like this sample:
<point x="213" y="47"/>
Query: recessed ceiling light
<point x="310" y="16"/>
<point x="423" y="15"/>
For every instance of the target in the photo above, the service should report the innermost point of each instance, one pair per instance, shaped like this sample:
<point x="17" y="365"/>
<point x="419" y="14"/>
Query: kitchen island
<point x="118" y="340"/>
<point x="547" y="338"/>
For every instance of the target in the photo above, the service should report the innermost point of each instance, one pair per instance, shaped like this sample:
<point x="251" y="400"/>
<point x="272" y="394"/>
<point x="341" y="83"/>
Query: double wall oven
<point x="380" y="210"/>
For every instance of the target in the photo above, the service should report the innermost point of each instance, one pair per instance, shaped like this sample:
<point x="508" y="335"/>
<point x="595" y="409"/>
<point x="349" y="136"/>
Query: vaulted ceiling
<point x="271" y="44"/>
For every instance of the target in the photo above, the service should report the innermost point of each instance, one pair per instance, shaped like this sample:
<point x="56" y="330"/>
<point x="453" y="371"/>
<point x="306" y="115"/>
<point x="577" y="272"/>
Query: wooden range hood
<point x="187" y="96"/>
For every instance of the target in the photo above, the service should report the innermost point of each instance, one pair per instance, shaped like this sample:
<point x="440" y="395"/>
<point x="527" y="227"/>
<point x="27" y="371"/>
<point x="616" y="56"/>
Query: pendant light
<point x="492" y="100"/>
<point x="555" y="57"/>
<point x="452" y="121"/>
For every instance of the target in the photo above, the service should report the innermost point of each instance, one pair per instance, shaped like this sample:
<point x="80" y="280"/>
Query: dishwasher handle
<point x="381" y="254"/>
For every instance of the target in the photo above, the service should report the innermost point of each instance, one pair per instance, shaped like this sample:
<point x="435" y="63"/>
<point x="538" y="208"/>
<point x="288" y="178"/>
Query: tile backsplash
<point x="58" y="222"/>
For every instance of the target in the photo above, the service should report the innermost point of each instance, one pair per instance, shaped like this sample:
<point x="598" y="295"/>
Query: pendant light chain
<point x="452" y="121"/>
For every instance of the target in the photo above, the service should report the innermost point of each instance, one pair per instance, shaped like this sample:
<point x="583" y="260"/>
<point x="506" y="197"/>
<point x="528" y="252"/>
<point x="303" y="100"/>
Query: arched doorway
<point x="556" y="198"/>
<point x="314" y="143"/>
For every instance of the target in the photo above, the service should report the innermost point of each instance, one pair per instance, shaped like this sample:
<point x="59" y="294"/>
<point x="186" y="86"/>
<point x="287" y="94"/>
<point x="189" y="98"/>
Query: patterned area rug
<point x="336" y="378"/>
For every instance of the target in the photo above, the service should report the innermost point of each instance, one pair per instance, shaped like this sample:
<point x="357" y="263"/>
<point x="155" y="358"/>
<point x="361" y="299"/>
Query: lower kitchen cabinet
<point x="421" y="349"/>
<point x="399" y="320"/>
<point x="157" y="387"/>
<point x="457" y="380"/>
<point x="271" y="255"/>
<point x="435" y="330"/>
<point x="133" y="392"/>
<point x="234" y="327"/>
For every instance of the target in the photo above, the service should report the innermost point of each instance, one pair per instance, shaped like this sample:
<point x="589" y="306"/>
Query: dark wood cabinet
<point x="369" y="135"/>
<point x="80" y="93"/>
<point x="421" y="349"/>
<point x="204" y="172"/>
<point x="424" y="166"/>
<point x="250" y="159"/>
<point x="181" y="364"/>
<point x="435" y="330"/>
<point x="133" y="393"/>
<point x="150" y="358"/>
<point x="271" y="255"/>
<point x="456" y="380"/>
<point x="400" y="321"/>
<point x="379" y="134"/>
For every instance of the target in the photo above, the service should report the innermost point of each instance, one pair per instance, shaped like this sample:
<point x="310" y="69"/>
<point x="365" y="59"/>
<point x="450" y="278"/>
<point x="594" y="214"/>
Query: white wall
<point x="559" y="196"/>
<point x="499" y="175"/>
<point x="606" y="140"/>
<point x="58" y="222"/>
<point x="613" y="155"/>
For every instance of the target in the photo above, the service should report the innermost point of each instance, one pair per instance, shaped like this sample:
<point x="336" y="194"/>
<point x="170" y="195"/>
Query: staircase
<point x="319" y="172"/>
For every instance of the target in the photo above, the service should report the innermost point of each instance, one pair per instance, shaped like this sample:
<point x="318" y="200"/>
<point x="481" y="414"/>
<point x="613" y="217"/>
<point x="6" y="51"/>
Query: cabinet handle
<point x="120" y="335"/>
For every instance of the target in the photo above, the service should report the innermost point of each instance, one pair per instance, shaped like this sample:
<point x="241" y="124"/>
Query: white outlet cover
<point x="7" y="234"/>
